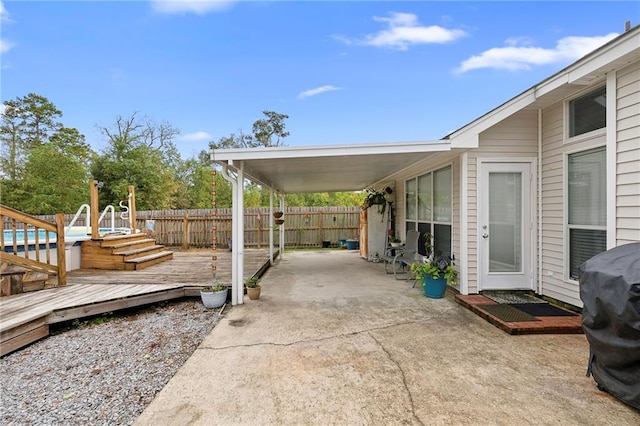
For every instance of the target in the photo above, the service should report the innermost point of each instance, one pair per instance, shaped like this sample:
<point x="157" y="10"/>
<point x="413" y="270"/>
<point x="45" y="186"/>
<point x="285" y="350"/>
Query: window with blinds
<point x="587" y="208"/>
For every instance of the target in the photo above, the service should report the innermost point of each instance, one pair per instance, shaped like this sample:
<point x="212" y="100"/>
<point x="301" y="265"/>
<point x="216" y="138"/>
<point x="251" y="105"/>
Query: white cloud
<point x="199" y="7"/>
<point x="4" y="15"/>
<point x="519" y="55"/>
<point x="196" y="136"/>
<point x="405" y="30"/>
<point x="5" y="45"/>
<point x="317" y="91"/>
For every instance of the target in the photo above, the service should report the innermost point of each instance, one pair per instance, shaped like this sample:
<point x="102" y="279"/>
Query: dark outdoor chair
<point x="398" y="260"/>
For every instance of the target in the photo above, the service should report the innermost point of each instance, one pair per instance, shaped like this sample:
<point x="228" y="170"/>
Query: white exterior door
<point x="505" y="226"/>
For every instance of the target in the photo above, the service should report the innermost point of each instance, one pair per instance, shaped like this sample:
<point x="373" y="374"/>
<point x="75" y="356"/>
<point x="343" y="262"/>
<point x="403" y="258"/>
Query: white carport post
<point x="282" y="230"/>
<point x="237" y="233"/>
<point x="271" y="225"/>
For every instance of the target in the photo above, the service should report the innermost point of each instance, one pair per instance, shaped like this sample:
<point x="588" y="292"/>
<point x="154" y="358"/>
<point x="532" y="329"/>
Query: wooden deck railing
<point x="15" y="250"/>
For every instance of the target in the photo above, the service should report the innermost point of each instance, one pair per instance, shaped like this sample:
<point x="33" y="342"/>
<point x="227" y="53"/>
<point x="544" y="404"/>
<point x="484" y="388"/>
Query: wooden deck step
<point x="135" y="252"/>
<point x="123" y="252"/>
<point x="146" y="261"/>
<point x="22" y="335"/>
<point x="120" y="244"/>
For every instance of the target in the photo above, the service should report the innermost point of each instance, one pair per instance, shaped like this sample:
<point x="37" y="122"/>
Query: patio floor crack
<point x="302" y="341"/>
<point x="402" y="375"/>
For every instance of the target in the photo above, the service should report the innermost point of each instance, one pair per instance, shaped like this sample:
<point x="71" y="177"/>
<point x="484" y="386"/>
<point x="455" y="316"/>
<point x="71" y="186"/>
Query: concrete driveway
<point x="334" y="340"/>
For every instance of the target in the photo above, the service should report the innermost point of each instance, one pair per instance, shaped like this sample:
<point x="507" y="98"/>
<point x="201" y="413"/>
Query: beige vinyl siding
<point x="628" y="155"/>
<point x="513" y="137"/>
<point x="554" y="148"/>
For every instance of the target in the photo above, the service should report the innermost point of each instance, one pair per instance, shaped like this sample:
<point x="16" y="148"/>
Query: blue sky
<point x="345" y="72"/>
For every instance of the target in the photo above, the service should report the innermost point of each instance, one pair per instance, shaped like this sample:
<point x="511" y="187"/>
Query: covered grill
<point x="610" y="292"/>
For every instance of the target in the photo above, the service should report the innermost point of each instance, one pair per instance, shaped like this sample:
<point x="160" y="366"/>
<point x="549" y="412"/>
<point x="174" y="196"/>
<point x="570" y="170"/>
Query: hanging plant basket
<point x="375" y="198"/>
<point x="278" y="215"/>
<point x="279" y="221"/>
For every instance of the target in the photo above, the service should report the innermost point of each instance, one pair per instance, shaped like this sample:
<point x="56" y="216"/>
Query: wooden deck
<point x="26" y="317"/>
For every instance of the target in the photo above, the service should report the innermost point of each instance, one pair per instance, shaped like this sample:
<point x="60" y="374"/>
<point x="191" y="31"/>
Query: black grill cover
<point x="610" y="292"/>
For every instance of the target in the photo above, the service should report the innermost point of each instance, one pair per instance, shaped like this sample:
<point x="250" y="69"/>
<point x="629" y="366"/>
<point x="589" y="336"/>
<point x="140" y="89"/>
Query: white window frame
<point x="565" y="221"/>
<point x="567" y="119"/>
<point x="432" y="221"/>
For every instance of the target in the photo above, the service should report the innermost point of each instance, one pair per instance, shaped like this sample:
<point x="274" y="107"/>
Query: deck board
<point x="91" y="292"/>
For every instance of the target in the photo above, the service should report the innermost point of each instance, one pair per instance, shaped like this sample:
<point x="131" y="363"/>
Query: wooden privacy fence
<point x="304" y="226"/>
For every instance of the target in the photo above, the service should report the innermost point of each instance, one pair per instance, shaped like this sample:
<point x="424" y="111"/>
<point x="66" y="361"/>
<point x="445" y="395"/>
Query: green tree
<point x="26" y="123"/>
<point x="265" y="129"/>
<point x="56" y="175"/>
<point x="264" y="132"/>
<point x="139" y="153"/>
<point x="44" y="165"/>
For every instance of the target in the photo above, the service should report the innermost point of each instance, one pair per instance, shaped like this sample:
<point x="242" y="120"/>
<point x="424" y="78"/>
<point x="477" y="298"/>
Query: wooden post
<point x="132" y="209"/>
<point x="259" y="226"/>
<point x="93" y="189"/>
<point x="185" y="231"/>
<point x="320" y="226"/>
<point x="62" y="258"/>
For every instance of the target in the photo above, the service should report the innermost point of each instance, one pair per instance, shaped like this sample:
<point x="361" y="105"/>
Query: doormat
<point x="503" y="297"/>
<point x="507" y="313"/>
<point x="543" y="310"/>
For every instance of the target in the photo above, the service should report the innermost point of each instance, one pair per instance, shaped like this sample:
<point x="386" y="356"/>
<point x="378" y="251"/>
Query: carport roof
<point x="329" y="168"/>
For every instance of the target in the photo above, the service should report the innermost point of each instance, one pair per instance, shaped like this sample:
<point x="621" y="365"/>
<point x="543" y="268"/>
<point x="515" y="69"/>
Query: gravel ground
<point x="103" y="371"/>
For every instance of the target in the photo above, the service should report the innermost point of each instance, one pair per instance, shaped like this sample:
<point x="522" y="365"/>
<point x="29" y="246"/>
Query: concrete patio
<point x="334" y="340"/>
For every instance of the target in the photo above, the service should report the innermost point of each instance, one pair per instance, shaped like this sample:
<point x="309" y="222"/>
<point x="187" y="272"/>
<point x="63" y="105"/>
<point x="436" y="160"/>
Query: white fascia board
<point x="328" y="151"/>
<point x="467" y="141"/>
<point x="551" y="84"/>
<point x="605" y="60"/>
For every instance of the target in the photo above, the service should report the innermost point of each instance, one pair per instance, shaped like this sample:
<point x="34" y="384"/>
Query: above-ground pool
<point x="73" y="235"/>
<point x="72" y="240"/>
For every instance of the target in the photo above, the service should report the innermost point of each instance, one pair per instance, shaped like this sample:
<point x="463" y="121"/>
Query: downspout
<point x="235" y="280"/>
<point x="539" y="189"/>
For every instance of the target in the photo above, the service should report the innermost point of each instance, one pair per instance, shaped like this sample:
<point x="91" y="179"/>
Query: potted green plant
<point x="395" y="241"/>
<point x="435" y="274"/>
<point x="253" y="288"/>
<point x="214" y="296"/>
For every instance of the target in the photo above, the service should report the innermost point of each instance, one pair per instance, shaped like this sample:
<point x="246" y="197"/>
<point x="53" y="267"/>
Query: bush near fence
<point x="304" y="226"/>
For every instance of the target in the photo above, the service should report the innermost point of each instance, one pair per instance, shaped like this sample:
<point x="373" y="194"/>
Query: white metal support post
<point x="282" y="230"/>
<point x="237" y="233"/>
<point x="238" y="244"/>
<point x="271" y="226"/>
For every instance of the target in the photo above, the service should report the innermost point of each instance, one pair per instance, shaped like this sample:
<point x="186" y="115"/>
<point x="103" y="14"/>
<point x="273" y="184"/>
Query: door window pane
<point x="505" y="222"/>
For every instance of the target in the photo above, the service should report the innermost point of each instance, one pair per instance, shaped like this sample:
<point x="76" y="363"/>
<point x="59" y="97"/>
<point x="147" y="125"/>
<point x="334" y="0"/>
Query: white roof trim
<point x="237" y="154"/>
